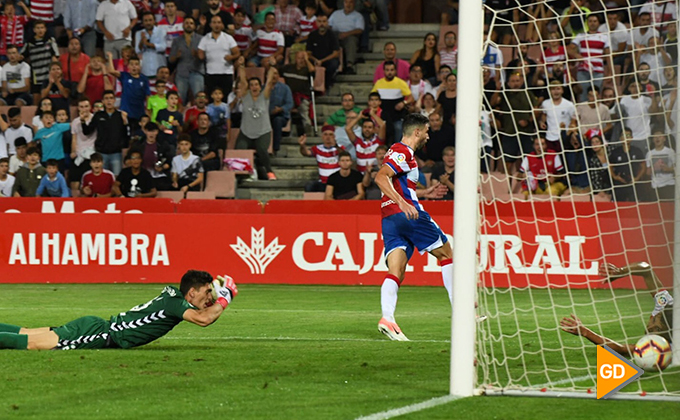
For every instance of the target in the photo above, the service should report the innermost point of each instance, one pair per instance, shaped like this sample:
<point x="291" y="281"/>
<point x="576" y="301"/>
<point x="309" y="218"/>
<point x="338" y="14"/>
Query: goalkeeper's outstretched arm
<point x="642" y="269"/>
<point x="572" y="325"/>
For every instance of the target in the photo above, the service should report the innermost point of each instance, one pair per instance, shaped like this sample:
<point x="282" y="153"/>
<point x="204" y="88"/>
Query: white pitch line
<point x="297" y="339"/>
<point x="565" y="381"/>
<point x="395" y="412"/>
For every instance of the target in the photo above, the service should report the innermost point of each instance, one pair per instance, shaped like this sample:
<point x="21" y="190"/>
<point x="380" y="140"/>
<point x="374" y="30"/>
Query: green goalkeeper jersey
<point x="149" y="321"/>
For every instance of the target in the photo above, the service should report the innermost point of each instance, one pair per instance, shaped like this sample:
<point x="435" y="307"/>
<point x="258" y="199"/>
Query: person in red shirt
<point x="191" y="113"/>
<point x="97" y="182"/>
<point x="95" y="80"/>
<point x="73" y="64"/>
<point x="12" y="26"/>
<point x="542" y="171"/>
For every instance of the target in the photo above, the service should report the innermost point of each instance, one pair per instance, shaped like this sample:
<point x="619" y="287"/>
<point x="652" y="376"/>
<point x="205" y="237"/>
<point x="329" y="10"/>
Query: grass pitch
<point x="279" y="352"/>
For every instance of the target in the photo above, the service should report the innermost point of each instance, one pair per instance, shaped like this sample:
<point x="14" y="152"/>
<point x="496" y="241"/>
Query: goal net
<point x="579" y="130"/>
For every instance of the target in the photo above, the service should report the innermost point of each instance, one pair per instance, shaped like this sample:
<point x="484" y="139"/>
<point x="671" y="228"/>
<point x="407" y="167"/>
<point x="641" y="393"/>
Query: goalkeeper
<point x="660" y="321"/>
<point x="199" y="300"/>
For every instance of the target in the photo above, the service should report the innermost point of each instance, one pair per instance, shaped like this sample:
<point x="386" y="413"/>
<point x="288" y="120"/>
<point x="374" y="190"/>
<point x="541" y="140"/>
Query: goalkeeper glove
<point x="224" y="290"/>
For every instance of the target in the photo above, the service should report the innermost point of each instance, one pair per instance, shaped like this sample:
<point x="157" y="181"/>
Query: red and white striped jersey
<point x="172" y="31"/>
<point x="268" y="42"/>
<point x="244" y="37"/>
<point x="401" y="159"/>
<point x="139" y="6"/>
<point x="366" y="151"/>
<point x="550" y="57"/>
<point x="307" y="25"/>
<point x="327" y="159"/>
<point x="12" y="32"/>
<point x="42" y="10"/>
<point x="158" y="12"/>
<point x="591" y="47"/>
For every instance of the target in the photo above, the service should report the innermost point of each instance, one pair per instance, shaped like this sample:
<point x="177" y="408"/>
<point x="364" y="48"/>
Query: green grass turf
<point x="289" y="352"/>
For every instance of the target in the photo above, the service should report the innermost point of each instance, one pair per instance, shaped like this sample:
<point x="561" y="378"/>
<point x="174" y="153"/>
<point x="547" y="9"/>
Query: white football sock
<point x="447" y="276"/>
<point x="388" y="297"/>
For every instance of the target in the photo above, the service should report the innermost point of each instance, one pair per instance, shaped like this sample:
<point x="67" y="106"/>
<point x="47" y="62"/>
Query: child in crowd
<point x="170" y="119"/>
<point x="187" y="170"/>
<point x="6" y="180"/>
<point x="54" y="184"/>
<point x="18" y="159"/>
<point x="12" y="27"/>
<point x="219" y="113"/>
<point x="50" y="139"/>
<point x="39" y="52"/>
<point x="156" y="102"/>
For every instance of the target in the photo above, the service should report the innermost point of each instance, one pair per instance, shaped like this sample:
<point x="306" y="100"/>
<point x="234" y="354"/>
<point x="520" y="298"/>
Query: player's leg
<point x="444" y="255"/>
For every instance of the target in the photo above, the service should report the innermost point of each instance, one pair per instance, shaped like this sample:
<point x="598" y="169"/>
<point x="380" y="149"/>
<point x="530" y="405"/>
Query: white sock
<point x="388" y="297"/>
<point x="447" y="276"/>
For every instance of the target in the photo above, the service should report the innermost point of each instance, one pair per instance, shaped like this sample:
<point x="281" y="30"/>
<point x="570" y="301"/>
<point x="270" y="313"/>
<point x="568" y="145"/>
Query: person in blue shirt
<point x="280" y="104"/>
<point x="135" y="88"/>
<point x="54" y="184"/>
<point x="50" y="137"/>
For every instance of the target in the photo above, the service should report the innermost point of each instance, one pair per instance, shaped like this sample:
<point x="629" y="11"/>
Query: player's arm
<point x="384" y="181"/>
<point x="642" y="269"/>
<point x="573" y="325"/>
<point x="203" y="317"/>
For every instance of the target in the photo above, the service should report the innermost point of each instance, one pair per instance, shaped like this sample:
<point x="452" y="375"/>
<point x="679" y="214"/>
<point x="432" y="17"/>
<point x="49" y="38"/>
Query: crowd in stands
<point x="579" y="97"/>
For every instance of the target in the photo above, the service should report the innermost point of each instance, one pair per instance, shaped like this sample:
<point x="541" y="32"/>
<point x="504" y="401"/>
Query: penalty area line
<point x="424" y="405"/>
<point x="235" y="338"/>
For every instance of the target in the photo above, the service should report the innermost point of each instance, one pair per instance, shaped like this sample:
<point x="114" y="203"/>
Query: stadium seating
<point x="314" y="196"/>
<point x="222" y="184"/>
<point x="201" y="195"/>
<point x="176" y="196"/>
<point x="243" y="154"/>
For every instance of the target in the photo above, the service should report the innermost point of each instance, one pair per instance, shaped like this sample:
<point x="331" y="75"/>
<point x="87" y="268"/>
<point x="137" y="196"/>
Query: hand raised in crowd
<point x="241" y="61"/>
<point x="302" y="140"/>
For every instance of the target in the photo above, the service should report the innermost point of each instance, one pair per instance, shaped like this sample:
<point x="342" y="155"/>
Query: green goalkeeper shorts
<point x="88" y="332"/>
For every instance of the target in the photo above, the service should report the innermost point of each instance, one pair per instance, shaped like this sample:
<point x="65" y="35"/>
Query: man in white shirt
<point x="591" y="51"/>
<point x="417" y="84"/>
<point x="558" y="114"/>
<point x="15" y="129"/>
<point x="618" y="36"/>
<point x="150" y="45"/>
<point x="116" y="18"/>
<point x="593" y="114"/>
<point x="6" y="180"/>
<point x="642" y="33"/>
<point x="348" y="24"/>
<point x="662" y="12"/>
<point x="219" y="50"/>
<point x="636" y="112"/>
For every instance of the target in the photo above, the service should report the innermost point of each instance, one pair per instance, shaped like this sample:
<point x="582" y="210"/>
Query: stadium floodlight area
<point x="539" y="249"/>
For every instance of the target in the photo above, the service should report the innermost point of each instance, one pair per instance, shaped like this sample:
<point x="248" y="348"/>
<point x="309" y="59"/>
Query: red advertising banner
<point x="520" y="245"/>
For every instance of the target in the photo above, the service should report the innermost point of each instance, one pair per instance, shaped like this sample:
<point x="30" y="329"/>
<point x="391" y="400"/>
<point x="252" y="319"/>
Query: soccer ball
<point x="652" y="352"/>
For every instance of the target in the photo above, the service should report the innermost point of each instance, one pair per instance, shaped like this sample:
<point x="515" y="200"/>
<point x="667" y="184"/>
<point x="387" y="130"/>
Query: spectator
<point x="44" y="10"/>
<point x="441" y="136"/>
<point x="112" y="133"/>
<point x="576" y="162"/>
<point x="396" y="97"/>
<point x="428" y="58"/>
<point x="135" y="89"/>
<point x="560" y="73"/>
<point x="27" y="178"/>
<point x="97" y="182"/>
<point x="50" y="138"/>
<point x="493" y="60"/>
<point x="448" y="100"/>
<point x="163" y="74"/>
<point x="269" y="46"/>
<point x="523" y="64"/>
<point x="670" y="96"/>
<point x="57" y="88"/>
<point x="661" y="12"/>
<point x="158" y="9"/>
<point x="95" y="80"/>
<point x="6" y="180"/>
<point x="610" y="100"/>
<point x="372" y="190"/>
<point x="307" y="23"/>
<point x="157" y="101"/>
<point x="150" y="45"/>
<point x="557" y="114"/>
<point x="79" y="21"/>
<point x="134" y="181"/>
<point x="339" y="120"/>
<point x="54" y="183"/>
<point x="219" y="116"/>
<point x="661" y="166"/>
<point x="287" y="20"/>
<point x="115" y="19"/>
<point x="170" y="120"/>
<point x="390" y="54"/>
<point x="348" y="24"/>
<point x="670" y="41"/>
<point x="346" y="183"/>
<point x="541" y="171"/>
<point x="75" y="62"/>
<point x="12" y="131"/>
<point x="184" y="53"/>
<point x="598" y="166"/>
<point x="656" y="58"/>
<point x="191" y="113"/>
<point x="235" y="107"/>
<point x="444" y="71"/>
<point x="324" y="50"/>
<point x="156" y="157"/>
<point x="255" y="124"/>
<point x="647" y="86"/>
<point x="426" y="104"/>
<point x="243" y="34"/>
<point x="205" y="144"/>
<point x="449" y="55"/>
<point x="16" y="80"/>
<point x="574" y="16"/>
<point x="417" y="84"/>
<point x="555" y="53"/>
<point x="374" y="105"/>
<point x="593" y="114"/>
<point x="219" y="50"/>
<point x="82" y="146"/>
<point x="371" y="137"/>
<point x="626" y="168"/>
<point x="640" y="36"/>
<point x="40" y="52"/>
<point x="297" y="77"/>
<point x="280" y="105"/>
<point x="36" y="122"/>
<point x="636" y="111"/>
<point x="12" y="26"/>
<point x="170" y="26"/>
<point x="187" y="171"/>
<point x="591" y="49"/>
<point x="444" y="172"/>
<point x="215" y="10"/>
<point x="18" y="160"/>
<point x="618" y="36"/>
<point x="326" y="155"/>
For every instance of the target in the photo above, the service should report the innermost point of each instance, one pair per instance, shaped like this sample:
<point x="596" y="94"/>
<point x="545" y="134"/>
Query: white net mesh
<point x="578" y="132"/>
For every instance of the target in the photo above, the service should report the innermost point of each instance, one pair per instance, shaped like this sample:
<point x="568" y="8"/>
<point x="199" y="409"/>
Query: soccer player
<point x="144" y="323"/>
<point x="405" y="224"/>
<point x="660" y="321"/>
